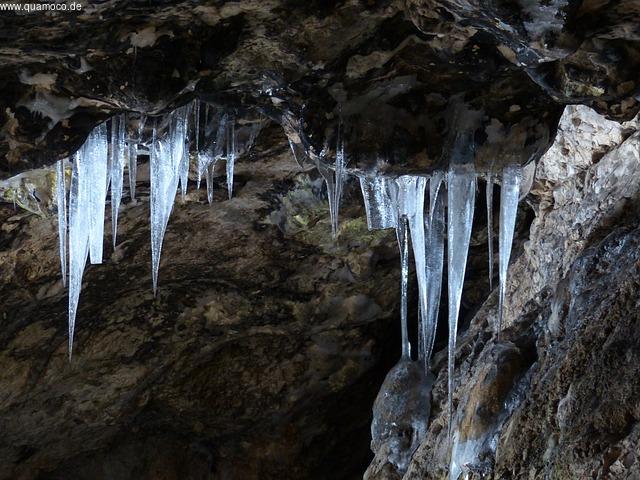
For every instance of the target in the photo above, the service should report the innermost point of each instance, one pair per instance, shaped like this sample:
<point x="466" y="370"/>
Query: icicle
<point x="411" y="191"/>
<point x="403" y="244"/>
<point x="165" y="157"/>
<point x="231" y="154"/>
<point x="509" y="196"/>
<point x="133" y="157"/>
<point x="61" y="192"/>
<point x="340" y="176"/>
<point x="79" y="228"/>
<point x="184" y="171"/>
<point x="118" y="149"/>
<point x="196" y="136"/>
<point x="133" y="169"/>
<point x="490" y="225"/>
<point x="95" y="156"/>
<point x="380" y="194"/>
<point x="210" y="185"/>
<point x="461" y="196"/>
<point x="297" y="157"/>
<point x="435" y="261"/>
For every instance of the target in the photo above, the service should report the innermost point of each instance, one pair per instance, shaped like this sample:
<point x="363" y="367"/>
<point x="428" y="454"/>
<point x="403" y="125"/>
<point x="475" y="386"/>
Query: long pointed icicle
<point x="509" y="196"/>
<point x="210" y="181"/>
<point x="461" y="193"/>
<point x="95" y="154"/>
<point x="340" y="176"/>
<point x="231" y="154"/>
<point x="133" y="169"/>
<point x="196" y="137"/>
<point x="133" y="156"/>
<point x="435" y="261"/>
<point x="118" y="149"/>
<point x="411" y="190"/>
<point x="79" y="226"/>
<point x="489" y="196"/>
<point x="165" y="158"/>
<point x="61" y="196"/>
<point x="403" y="244"/>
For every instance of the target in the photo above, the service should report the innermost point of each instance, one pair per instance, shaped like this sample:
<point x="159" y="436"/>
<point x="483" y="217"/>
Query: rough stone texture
<point x="558" y="396"/>
<point x="405" y="93"/>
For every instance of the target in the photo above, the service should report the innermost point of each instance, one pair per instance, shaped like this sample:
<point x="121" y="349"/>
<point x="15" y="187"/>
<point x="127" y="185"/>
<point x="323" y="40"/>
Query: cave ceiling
<point x="406" y="79"/>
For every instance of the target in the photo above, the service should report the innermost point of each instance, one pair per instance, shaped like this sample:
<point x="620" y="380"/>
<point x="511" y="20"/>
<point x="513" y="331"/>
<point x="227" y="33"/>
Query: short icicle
<point x="380" y="195"/>
<point x="461" y="193"/>
<point x="61" y="197"/>
<point x="509" y="196"/>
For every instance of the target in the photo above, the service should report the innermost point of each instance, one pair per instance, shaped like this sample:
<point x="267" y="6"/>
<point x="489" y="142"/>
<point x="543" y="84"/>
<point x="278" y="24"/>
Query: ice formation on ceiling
<point x="113" y="148"/>
<point x="414" y="205"/>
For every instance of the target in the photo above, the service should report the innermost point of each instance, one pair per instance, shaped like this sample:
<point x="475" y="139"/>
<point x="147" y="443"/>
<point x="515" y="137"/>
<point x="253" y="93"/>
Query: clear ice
<point x="489" y="197"/>
<point x="231" y="154"/>
<point x="380" y="195"/>
<point x="165" y="158"/>
<point x="95" y="159"/>
<point x="461" y="193"/>
<point x="509" y="196"/>
<point x="61" y="198"/>
<point x="403" y="244"/>
<point x="116" y="165"/>
<point x="79" y="227"/>
<point x="335" y="181"/>
<point x="411" y="191"/>
<point x="435" y="230"/>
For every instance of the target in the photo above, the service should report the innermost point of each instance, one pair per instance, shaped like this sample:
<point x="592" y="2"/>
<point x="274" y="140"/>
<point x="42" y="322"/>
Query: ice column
<point x="509" y="195"/>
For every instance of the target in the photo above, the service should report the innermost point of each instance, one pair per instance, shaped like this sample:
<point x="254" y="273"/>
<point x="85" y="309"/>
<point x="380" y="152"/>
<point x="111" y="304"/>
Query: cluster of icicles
<point x="400" y="203"/>
<point x="397" y="203"/>
<point x="100" y="164"/>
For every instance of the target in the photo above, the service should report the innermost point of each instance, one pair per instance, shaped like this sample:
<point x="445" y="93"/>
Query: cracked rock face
<point x="404" y="78"/>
